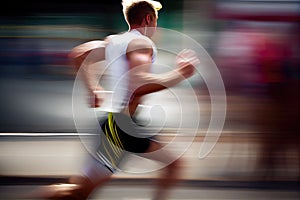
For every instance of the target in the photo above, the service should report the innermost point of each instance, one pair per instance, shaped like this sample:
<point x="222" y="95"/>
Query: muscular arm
<point x="139" y="55"/>
<point x="83" y="58"/>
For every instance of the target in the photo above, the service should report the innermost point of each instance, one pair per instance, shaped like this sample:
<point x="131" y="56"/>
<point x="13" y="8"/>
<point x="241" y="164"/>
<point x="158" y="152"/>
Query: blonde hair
<point x="135" y="10"/>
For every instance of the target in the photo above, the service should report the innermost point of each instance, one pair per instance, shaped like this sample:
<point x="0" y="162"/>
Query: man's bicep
<point x="139" y="53"/>
<point x="137" y="59"/>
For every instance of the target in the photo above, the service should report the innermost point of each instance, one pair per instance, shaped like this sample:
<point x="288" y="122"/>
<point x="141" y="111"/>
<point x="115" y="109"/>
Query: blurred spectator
<point x="235" y="57"/>
<point x="277" y="121"/>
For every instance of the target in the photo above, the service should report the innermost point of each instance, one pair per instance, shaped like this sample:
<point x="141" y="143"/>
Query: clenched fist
<point x="186" y="61"/>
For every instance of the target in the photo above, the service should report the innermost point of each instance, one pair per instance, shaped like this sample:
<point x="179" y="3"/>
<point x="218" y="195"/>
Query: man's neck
<point x="138" y="28"/>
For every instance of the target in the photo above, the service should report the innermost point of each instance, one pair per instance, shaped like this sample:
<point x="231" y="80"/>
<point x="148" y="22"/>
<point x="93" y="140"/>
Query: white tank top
<point x="117" y="67"/>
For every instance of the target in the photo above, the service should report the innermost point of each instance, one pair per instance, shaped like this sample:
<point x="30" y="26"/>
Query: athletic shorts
<point x="119" y="136"/>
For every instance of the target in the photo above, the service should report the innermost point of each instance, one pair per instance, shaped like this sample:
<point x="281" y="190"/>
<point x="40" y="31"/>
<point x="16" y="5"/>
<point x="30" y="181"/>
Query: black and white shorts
<point x="119" y="136"/>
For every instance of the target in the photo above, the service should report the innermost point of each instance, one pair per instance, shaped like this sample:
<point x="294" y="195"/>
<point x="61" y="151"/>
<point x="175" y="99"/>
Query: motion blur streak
<point x="255" y="45"/>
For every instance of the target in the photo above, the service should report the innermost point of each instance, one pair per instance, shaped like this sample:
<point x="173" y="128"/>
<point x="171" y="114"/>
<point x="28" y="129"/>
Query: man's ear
<point x="148" y="19"/>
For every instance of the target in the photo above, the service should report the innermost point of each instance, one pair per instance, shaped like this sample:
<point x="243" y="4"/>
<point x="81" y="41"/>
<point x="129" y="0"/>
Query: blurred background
<point x="255" y="45"/>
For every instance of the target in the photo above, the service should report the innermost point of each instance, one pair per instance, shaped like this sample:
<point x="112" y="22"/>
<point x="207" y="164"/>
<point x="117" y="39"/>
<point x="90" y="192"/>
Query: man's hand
<point x="96" y="98"/>
<point x="186" y="61"/>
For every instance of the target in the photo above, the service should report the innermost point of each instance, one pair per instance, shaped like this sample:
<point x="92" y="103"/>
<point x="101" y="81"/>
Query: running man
<point x="129" y="57"/>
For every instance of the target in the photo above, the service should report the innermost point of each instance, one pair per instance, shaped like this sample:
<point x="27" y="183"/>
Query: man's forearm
<point x="148" y="83"/>
<point x="90" y="79"/>
<point x="90" y="68"/>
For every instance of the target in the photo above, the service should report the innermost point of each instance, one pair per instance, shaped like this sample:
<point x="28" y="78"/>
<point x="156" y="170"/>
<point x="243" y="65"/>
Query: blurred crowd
<point x="260" y="61"/>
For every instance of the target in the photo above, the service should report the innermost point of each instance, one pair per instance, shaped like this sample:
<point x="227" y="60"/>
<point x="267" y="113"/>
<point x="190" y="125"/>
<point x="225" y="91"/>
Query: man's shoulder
<point x="138" y="44"/>
<point x="127" y="37"/>
<point x="129" y="41"/>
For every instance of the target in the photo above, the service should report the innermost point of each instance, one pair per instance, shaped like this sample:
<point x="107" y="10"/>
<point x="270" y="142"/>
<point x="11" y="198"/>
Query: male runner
<point x="129" y="57"/>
